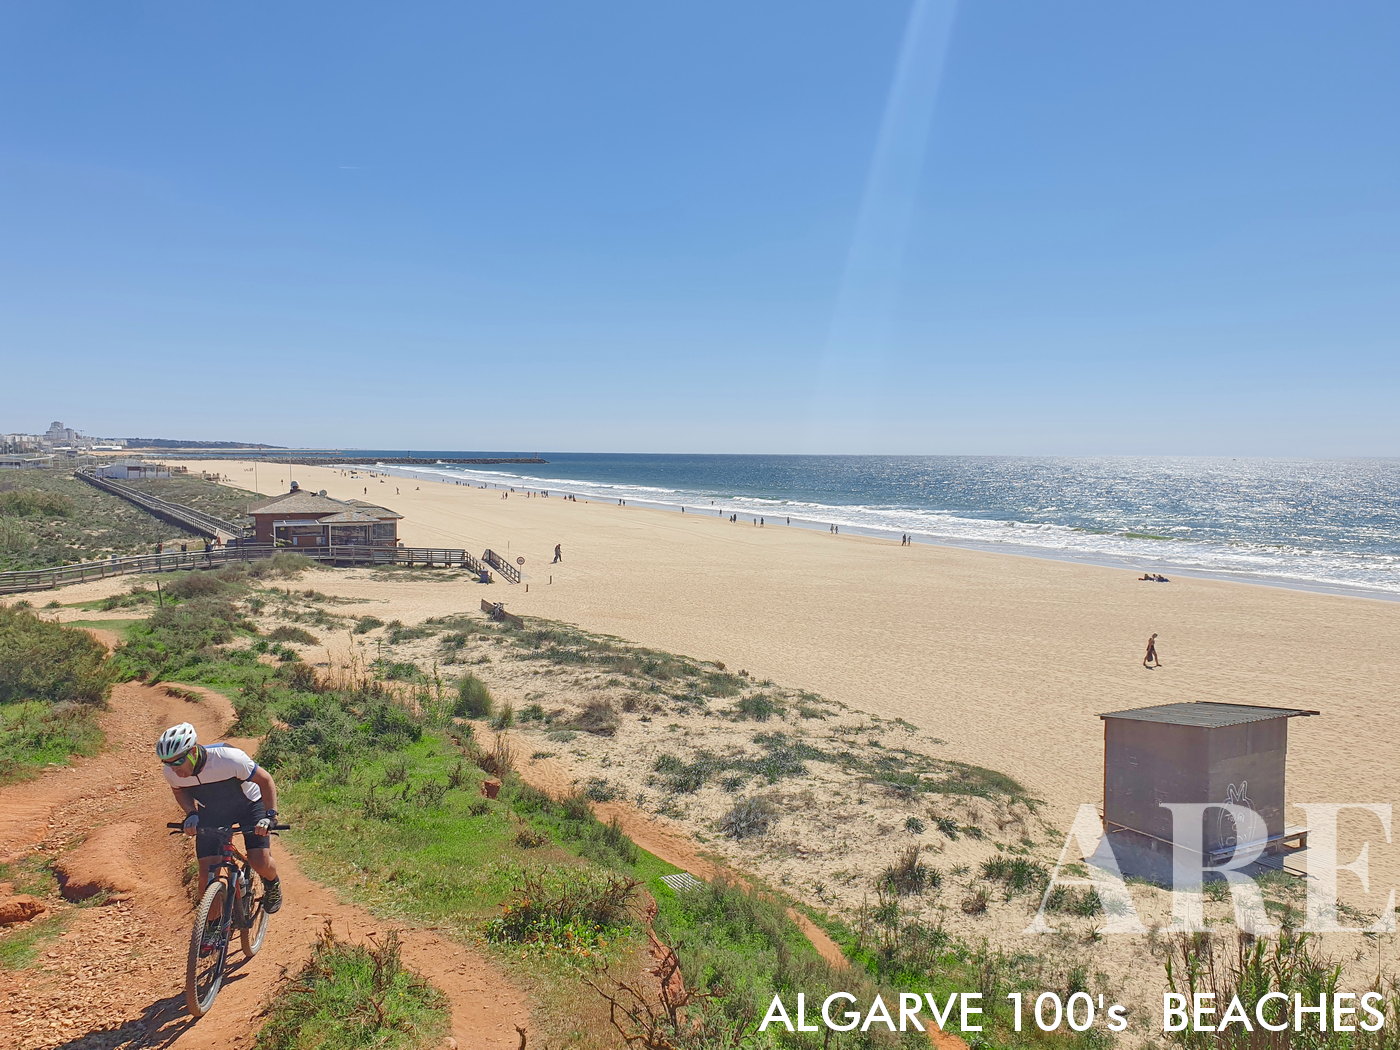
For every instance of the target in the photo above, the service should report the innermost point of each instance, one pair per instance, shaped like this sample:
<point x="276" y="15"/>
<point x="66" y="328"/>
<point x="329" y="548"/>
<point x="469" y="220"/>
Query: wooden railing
<point x="501" y="565"/>
<point x="47" y="579"/>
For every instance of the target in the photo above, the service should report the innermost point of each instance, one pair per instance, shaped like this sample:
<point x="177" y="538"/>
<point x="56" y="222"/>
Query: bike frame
<point x="233" y="869"/>
<point x="240" y="911"/>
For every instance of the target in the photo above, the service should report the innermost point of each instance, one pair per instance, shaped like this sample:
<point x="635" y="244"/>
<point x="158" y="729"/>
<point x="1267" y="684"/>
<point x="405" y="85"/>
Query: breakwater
<point x="368" y="461"/>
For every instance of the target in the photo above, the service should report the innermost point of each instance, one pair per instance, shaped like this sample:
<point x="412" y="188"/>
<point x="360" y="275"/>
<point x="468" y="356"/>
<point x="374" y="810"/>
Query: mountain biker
<point x="220" y="786"/>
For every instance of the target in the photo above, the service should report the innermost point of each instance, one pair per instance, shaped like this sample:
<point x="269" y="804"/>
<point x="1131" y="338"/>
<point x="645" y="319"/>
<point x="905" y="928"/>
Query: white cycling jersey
<point x="217" y="780"/>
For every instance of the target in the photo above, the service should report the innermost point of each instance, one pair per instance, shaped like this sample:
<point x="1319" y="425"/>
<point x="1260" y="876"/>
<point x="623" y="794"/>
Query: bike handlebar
<point x="226" y="831"/>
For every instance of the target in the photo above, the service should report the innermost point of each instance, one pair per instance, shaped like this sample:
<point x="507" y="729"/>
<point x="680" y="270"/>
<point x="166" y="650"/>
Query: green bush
<point x="226" y="581"/>
<point x="1017" y="874"/>
<point x="473" y="698"/>
<point x="46" y="661"/>
<point x="16" y="538"/>
<point x="749" y="818"/>
<point x="354" y="997"/>
<point x="295" y="635"/>
<point x="909" y="874"/>
<point x="174" y="638"/>
<point x="759" y="707"/>
<point x="333" y="731"/>
<point x="598" y="717"/>
<point x="253" y="704"/>
<point x="675" y="775"/>
<point x="570" y="909"/>
<point x="286" y="564"/>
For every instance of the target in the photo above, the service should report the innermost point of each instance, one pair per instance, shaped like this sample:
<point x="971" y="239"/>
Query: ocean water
<point x="1331" y="525"/>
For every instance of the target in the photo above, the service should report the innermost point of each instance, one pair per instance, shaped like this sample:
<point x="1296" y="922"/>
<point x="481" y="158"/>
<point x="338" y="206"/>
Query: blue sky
<point x="721" y="227"/>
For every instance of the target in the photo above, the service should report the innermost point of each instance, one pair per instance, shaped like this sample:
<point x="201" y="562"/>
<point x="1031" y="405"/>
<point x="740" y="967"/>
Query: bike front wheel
<point x="204" y="974"/>
<point x="253" y="933"/>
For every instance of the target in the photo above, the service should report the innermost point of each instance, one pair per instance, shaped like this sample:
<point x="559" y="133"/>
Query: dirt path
<point x="114" y="978"/>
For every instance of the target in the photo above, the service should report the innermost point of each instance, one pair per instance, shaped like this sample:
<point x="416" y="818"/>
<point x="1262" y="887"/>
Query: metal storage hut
<point x="1193" y="752"/>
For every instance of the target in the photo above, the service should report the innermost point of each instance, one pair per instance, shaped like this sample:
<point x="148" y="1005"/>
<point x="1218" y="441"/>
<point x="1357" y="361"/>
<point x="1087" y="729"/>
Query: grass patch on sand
<point x="355" y="997"/>
<point x="122" y="627"/>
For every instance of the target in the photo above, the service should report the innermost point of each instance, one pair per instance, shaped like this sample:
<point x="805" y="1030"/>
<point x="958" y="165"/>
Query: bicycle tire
<point x="252" y="935"/>
<point x="204" y="974"/>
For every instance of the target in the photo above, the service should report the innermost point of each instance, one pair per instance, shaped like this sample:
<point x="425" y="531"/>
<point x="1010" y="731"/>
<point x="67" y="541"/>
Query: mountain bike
<point x="229" y="894"/>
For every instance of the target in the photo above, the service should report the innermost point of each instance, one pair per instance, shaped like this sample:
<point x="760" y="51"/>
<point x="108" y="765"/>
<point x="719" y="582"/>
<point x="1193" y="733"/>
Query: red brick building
<point x="306" y="519"/>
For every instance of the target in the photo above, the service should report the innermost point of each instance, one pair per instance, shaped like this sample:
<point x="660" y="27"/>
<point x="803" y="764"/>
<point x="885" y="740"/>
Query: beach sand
<point x="1008" y="659"/>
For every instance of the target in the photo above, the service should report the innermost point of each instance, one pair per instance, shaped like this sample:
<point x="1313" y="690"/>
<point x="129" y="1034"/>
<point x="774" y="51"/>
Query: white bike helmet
<point x="176" y="741"/>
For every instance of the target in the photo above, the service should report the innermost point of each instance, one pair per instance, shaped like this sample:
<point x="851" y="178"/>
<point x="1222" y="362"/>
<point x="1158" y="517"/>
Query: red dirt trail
<point x="114" y="978"/>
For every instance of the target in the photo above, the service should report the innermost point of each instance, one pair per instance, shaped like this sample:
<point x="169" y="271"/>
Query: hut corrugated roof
<point x="1207" y="714"/>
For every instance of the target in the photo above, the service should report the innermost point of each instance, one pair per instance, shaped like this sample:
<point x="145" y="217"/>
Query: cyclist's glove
<point x="267" y="821"/>
<point x="191" y="824"/>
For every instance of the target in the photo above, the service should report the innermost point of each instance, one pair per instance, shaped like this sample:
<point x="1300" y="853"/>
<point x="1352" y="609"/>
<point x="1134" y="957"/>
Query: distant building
<point x="58" y="434"/>
<point x="305" y="519"/>
<point x="14" y="462"/>
<point x="132" y="470"/>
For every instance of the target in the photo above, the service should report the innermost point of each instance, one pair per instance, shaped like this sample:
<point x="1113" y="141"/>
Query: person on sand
<point x="220" y="786"/>
<point x="1151" y="658"/>
<point x="558" y="553"/>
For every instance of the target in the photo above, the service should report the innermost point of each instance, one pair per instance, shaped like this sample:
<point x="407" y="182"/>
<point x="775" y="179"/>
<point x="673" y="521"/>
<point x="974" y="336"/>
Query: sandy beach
<point x="1008" y="659"/>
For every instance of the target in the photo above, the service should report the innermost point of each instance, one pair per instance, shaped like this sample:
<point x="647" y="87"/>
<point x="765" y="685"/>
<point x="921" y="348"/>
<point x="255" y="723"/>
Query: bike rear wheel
<point x="252" y="935"/>
<point x="204" y="974"/>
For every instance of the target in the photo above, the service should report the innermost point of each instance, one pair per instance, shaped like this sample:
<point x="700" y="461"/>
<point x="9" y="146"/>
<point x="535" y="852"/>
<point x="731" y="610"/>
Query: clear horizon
<point x="931" y="226"/>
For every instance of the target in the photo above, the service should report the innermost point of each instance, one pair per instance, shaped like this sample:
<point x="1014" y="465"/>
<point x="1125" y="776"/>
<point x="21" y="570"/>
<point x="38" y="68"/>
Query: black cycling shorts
<point x="213" y="845"/>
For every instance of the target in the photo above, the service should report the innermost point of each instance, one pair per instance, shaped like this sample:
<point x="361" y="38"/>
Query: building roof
<point x="1206" y="714"/>
<point x="373" y="508"/>
<point x="327" y="510"/>
<point x="348" y="517"/>
<point x="299" y="502"/>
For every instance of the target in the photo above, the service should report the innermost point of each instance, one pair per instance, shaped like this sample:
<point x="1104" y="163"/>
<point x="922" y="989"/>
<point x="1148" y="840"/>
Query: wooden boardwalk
<point x="195" y="521"/>
<point x="59" y="576"/>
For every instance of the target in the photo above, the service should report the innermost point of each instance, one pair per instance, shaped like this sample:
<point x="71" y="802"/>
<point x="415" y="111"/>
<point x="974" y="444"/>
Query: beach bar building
<point x="312" y="519"/>
<point x="1200" y="753"/>
<point x="131" y="470"/>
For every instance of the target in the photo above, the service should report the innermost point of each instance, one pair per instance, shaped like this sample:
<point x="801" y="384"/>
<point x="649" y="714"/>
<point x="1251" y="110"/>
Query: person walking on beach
<point x="558" y="554"/>
<point x="1150" y="660"/>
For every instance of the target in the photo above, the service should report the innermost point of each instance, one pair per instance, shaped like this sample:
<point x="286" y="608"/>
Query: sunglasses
<point x="177" y="761"/>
